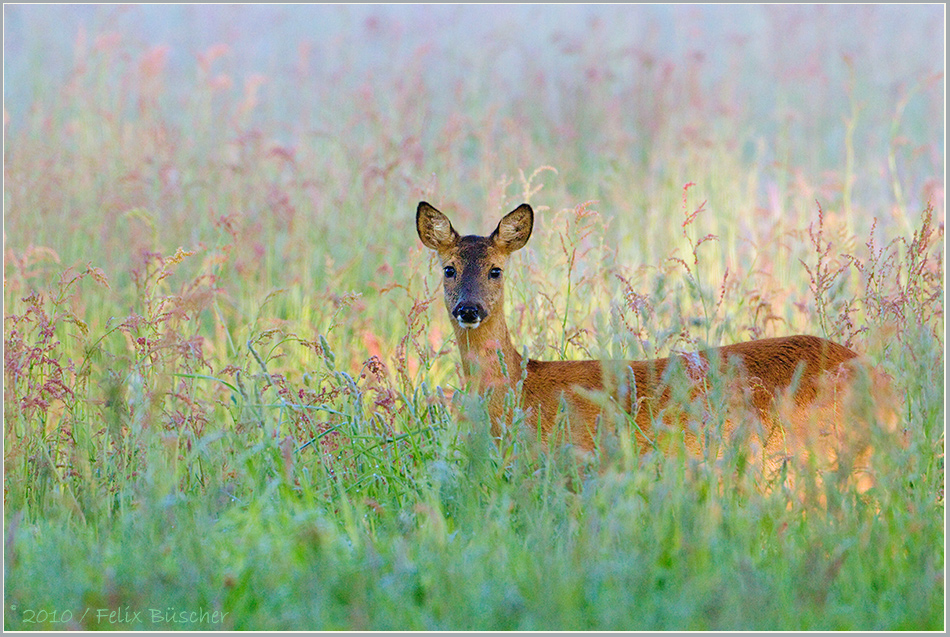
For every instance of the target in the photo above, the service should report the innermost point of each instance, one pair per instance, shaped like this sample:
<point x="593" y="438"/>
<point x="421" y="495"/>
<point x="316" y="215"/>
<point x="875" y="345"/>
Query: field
<point x="232" y="398"/>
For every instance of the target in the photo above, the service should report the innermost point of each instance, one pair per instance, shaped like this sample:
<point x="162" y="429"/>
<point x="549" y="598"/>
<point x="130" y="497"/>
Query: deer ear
<point x="515" y="229"/>
<point x="434" y="228"/>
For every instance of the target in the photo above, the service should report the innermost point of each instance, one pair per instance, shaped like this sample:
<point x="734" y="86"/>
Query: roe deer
<point x="796" y="388"/>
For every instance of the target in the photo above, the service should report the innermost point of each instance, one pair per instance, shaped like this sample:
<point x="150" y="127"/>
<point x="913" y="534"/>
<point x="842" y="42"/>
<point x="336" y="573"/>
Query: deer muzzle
<point x="469" y="315"/>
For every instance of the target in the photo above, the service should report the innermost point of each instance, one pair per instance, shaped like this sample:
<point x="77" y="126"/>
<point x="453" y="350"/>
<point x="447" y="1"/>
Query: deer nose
<point x="469" y="315"/>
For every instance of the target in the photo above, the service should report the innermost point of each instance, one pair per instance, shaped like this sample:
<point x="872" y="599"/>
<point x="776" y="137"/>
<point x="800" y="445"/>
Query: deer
<point x="788" y="396"/>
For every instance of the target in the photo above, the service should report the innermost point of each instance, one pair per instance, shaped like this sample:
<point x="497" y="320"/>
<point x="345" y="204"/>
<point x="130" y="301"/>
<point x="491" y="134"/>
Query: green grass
<point x="228" y="371"/>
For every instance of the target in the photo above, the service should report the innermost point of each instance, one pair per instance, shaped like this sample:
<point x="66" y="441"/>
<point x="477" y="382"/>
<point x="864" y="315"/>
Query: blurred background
<point x="607" y="82"/>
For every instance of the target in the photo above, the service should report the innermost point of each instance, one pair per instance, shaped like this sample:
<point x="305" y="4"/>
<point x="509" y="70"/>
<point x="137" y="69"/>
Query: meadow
<point x="231" y="395"/>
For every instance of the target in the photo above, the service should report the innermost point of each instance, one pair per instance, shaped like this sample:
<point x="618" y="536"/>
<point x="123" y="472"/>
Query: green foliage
<point x="231" y="396"/>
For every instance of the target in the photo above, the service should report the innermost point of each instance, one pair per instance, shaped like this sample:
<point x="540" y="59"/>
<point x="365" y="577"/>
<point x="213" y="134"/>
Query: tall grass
<point x="230" y="385"/>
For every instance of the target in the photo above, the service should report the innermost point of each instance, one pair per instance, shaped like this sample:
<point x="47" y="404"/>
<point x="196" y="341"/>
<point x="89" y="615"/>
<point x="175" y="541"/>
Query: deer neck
<point x="480" y="349"/>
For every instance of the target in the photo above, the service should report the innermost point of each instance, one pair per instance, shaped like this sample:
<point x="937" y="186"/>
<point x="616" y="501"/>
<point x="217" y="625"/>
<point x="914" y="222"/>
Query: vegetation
<point x="230" y="390"/>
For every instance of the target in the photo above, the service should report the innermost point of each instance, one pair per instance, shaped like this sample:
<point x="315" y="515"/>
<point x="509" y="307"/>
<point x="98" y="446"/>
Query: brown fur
<point x="785" y="396"/>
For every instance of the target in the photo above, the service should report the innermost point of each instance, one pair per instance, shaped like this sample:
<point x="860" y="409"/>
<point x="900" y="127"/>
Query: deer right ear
<point x="434" y="228"/>
<point x="514" y="229"/>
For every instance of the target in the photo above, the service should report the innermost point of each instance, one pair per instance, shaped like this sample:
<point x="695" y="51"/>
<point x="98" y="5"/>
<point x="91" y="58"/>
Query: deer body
<point x="792" y="389"/>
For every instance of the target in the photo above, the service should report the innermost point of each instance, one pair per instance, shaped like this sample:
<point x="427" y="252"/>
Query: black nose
<point x="469" y="313"/>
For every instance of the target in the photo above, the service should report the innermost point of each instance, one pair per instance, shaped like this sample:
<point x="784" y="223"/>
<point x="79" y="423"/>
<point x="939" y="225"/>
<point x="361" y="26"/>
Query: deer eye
<point x="449" y="272"/>
<point x="494" y="273"/>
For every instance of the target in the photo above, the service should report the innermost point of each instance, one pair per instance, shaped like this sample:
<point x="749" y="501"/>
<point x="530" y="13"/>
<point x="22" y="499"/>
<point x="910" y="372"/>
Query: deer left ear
<point x="514" y="229"/>
<point x="434" y="228"/>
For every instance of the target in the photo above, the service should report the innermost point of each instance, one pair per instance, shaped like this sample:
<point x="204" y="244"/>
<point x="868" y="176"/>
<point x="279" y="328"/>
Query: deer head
<point x="473" y="267"/>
